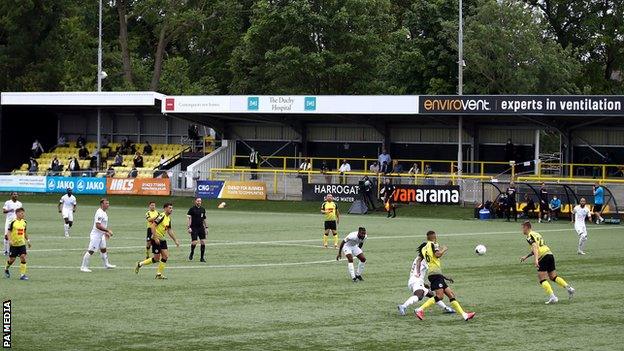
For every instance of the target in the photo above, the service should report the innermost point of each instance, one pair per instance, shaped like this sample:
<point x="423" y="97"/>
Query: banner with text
<point x="138" y="186"/>
<point x="243" y="190"/>
<point x="79" y="185"/>
<point x="209" y="189"/>
<point x="341" y="192"/>
<point x="31" y="184"/>
<point x="427" y="194"/>
<point x="521" y="104"/>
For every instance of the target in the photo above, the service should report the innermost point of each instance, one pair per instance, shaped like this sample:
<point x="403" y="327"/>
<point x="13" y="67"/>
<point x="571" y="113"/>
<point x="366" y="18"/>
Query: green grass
<point x="269" y="286"/>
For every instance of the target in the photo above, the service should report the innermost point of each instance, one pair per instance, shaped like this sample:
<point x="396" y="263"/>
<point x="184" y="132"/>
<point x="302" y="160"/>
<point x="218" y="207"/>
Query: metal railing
<point x="219" y="158"/>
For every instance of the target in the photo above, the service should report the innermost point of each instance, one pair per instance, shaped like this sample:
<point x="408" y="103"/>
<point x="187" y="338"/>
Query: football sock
<point x="23" y="268"/>
<point x="104" y="256"/>
<point x="427" y="304"/>
<point x="336" y="239"/>
<point x="442" y="304"/>
<point x="351" y="269"/>
<point x="146" y="262"/>
<point x="582" y="241"/>
<point x="561" y="282"/>
<point x="547" y="288"/>
<point x="202" y="249"/>
<point x="412" y="300"/>
<point x="161" y="268"/>
<point x="85" y="259"/>
<point x="8" y="264"/>
<point x="457" y="307"/>
<point x="66" y="227"/>
<point x="324" y="239"/>
<point x="360" y="268"/>
<point x="193" y="249"/>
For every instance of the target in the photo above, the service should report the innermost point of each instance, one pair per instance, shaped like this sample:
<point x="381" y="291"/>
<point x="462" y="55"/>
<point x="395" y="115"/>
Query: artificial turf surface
<point x="268" y="285"/>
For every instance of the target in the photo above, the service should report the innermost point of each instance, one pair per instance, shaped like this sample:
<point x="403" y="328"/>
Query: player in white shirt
<point x="580" y="213"/>
<point x="351" y="245"/>
<point x="416" y="285"/>
<point x="66" y="207"/>
<point x="9" y="210"/>
<point x="99" y="234"/>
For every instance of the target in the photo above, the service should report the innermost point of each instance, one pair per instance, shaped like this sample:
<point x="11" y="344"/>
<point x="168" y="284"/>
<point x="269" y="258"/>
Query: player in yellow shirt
<point x="161" y="226"/>
<point x="432" y="252"/>
<point x="332" y="218"/>
<point x="150" y="216"/>
<point x="544" y="261"/>
<point x="18" y="239"/>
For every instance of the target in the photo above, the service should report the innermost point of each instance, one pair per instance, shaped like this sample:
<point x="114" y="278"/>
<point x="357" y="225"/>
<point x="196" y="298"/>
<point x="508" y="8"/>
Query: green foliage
<point x="506" y="53"/>
<point x="313" y="46"/>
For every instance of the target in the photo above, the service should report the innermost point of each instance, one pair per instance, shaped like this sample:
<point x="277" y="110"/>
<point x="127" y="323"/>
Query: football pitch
<point x="268" y="285"/>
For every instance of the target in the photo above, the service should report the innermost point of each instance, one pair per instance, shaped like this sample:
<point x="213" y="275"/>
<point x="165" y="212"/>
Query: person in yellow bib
<point x="544" y="261"/>
<point x="161" y="226"/>
<point x="150" y="216"/>
<point x="332" y="218"/>
<point x="18" y="239"/>
<point x="432" y="253"/>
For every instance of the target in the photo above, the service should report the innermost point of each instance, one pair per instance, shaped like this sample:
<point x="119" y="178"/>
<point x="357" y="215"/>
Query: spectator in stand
<point x="619" y="172"/>
<point x="138" y="160"/>
<point x="397" y="167"/>
<point x="104" y="143"/>
<point x="73" y="166"/>
<point x="385" y="168"/>
<point x="162" y="162"/>
<point x="414" y="170"/>
<point x="193" y="132"/>
<point x="36" y="149"/>
<point x="428" y="170"/>
<point x="509" y="151"/>
<point x="147" y="149"/>
<point x="384" y="157"/>
<point x="374" y="168"/>
<point x="253" y="162"/>
<point x="80" y="142"/>
<point x="83" y="153"/>
<point x="61" y="142"/>
<point x="110" y="172"/>
<point x="118" y="160"/>
<point x="305" y="166"/>
<point x="555" y="208"/>
<point x="55" y="166"/>
<point x="344" y="168"/>
<point x="133" y="173"/>
<point x="33" y="166"/>
<point x="94" y="155"/>
<point x="325" y="170"/>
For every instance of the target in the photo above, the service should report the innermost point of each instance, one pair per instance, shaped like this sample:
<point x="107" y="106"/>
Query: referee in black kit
<point x="197" y="228"/>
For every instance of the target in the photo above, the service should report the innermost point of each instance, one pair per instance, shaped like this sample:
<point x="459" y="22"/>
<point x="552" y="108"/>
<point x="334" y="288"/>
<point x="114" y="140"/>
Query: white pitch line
<point x="258" y="265"/>
<point x="295" y="242"/>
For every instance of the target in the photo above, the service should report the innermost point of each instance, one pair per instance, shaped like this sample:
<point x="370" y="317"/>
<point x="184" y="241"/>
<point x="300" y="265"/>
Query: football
<point x="480" y="250"/>
<point x="222" y="205"/>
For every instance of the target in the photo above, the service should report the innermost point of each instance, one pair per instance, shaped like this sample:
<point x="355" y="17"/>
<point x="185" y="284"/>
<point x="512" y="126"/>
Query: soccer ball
<point x="480" y="250"/>
<point x="222" y="205"/>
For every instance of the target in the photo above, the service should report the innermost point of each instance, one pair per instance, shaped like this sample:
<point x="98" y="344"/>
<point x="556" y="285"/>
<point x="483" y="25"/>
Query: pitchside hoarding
<point x="138" y="186"/>
<point x="341" y="192"/>
<point x="79" y="185"/>
<point x="244" y="190"/>
<point x="521" y="104"/>
<point x="428" y="194"/>
<point x="29" y="184"/>
<point x="420" y="194"/>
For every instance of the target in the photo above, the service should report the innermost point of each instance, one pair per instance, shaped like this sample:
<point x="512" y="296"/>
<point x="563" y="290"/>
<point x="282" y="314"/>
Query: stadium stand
<point x="64" y="153"/>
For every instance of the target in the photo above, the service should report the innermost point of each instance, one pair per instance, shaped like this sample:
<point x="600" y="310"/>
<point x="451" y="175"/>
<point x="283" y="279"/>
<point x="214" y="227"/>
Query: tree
<point x="313" y="47"/>
<point x="507" y="53"/>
